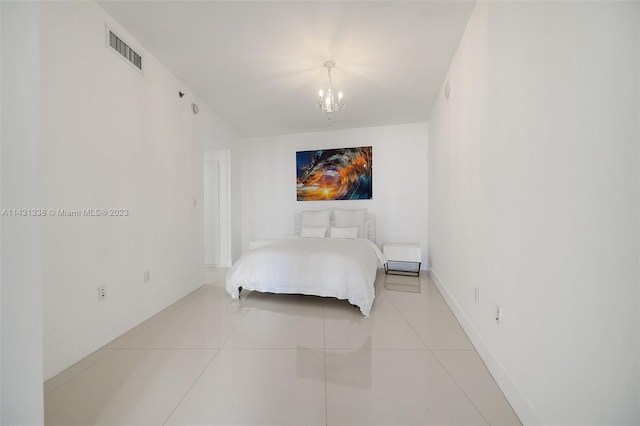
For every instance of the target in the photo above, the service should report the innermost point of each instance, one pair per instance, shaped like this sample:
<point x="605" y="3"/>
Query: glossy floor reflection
<point x="405" y="283"/>
<point x="286" y="360"/>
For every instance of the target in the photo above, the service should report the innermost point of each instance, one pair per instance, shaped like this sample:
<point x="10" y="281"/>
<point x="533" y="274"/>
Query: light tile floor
<point x="286" y="360"/>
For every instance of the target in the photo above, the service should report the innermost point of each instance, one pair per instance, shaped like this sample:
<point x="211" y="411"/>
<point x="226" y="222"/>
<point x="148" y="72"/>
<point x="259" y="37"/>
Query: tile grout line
<point x="204" y="369"/>
<point x="191" y="387"/>
<point x="438" y="360"/>
<point x="440" y="363"/>
<point x="460" y="387"/>
<point x="409" y="322"/>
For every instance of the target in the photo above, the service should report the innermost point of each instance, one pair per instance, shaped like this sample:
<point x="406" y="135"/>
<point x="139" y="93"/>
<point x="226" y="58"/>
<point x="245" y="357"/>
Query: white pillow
<point x="350" y="232"/>
<point x="313" y="232"/>
<point x="349" y="218"/>
<point x="316" y="218"/>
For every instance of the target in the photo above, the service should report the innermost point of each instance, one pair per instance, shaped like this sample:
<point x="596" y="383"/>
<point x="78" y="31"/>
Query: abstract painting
<point x="334" y="174"/>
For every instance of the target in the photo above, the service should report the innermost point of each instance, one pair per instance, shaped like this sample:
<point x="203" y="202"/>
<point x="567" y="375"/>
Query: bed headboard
<point x="370" y="224"/>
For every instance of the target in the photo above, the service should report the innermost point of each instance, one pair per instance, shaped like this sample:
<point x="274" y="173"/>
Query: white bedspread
<point x="341" y="268"/>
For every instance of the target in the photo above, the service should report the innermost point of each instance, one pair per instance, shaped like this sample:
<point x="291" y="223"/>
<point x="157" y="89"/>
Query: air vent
<point x="123" y="48"/>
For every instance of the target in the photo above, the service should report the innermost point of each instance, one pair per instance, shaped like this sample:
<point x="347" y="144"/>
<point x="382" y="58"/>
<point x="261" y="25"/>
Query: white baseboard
<point x="519" y="402"/>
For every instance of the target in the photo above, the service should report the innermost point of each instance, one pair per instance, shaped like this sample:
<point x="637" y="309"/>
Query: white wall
<point x="399" y="181"/>
<point x="533" y="198"/>
<point x="21" y="266"/>
<point x="114" y="138"/>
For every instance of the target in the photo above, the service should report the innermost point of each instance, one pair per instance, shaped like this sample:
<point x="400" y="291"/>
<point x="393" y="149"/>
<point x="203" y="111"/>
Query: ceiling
<point x="259" y="65"/>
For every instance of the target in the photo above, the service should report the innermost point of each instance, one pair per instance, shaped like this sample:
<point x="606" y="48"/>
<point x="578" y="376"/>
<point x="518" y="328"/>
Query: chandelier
<point x="328" y="100"/>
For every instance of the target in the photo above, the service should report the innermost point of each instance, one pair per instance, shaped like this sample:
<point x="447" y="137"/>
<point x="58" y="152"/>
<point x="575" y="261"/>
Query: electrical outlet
<point x="147" y="276"/>
<point x="102" y="292"/>
<point x="499" y="315"/>
<point x="477" y="295"/>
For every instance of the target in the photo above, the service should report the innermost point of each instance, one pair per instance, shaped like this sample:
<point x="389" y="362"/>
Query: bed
<point x="337" y="261"/>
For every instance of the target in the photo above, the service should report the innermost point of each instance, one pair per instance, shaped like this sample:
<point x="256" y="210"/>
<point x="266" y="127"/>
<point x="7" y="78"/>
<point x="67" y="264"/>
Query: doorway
<point x="217" y="196"/>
